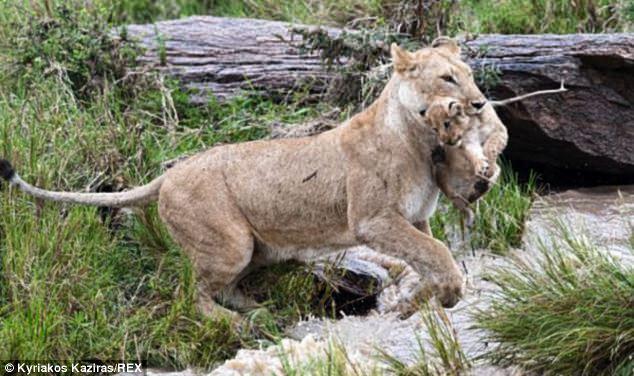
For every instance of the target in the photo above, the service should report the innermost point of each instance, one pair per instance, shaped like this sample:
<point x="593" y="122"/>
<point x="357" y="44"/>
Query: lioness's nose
<point x="478" y="104"/>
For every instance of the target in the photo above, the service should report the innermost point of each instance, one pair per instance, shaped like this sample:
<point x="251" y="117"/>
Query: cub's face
<point x="446" y="116"/>
<point x="457" y="179"/>
<point x="435" y="71"/>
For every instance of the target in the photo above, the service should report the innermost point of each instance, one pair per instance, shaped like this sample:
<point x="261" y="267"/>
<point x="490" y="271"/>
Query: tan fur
<point x="483" y="140"/>
<point x="447" y="118"/>
<point x="235" y="207"/>
<point x="364" y="182"/>
<point x="436" y="72"/>
<point x="492" y="135"/>
<point x="458" y="176"/>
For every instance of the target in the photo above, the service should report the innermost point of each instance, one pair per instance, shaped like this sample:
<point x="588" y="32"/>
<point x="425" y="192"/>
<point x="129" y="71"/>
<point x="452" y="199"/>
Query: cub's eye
<point x="447" y="124"/>
<point x="448" y="78"/>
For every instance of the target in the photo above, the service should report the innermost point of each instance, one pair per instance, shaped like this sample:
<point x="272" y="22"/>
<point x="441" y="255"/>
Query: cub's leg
<point x="212" y="232"/>
<point x="475" y="155"/>
<point x="492" y="148"/>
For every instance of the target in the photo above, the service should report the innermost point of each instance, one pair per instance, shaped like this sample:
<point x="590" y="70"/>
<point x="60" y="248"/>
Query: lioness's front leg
<point x="424" y="226"/>
<point x="391" y="234"/>
<point x="376" y="223"/>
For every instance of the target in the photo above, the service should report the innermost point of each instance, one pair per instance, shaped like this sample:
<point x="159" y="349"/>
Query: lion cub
<point x="483" y="140"/>
<point x="476" y="139"/>
<point x="447" y="118"/>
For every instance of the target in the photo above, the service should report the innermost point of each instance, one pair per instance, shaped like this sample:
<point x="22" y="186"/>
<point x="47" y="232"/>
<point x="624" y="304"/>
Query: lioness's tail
<point x="134" y="197"/>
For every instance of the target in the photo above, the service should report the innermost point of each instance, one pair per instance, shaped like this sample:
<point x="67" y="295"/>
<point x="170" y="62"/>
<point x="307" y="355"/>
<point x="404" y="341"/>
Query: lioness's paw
<point x="449" y="291"/>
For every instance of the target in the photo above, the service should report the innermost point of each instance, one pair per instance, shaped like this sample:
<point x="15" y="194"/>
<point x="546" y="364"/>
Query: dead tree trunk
<point x="219" y="57"/>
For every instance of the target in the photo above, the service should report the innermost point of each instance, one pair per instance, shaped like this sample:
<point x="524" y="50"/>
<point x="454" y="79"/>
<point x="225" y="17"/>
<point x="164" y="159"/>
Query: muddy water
<point x="605" y="215"/>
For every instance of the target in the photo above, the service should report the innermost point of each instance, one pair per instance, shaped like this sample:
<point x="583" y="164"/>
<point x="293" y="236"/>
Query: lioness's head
<point x="435" y="71"/>
<point x="446" y="116"/>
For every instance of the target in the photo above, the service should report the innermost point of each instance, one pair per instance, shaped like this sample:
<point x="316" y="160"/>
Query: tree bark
<point x="589" y="130"/>
<point x="219" y="57"/>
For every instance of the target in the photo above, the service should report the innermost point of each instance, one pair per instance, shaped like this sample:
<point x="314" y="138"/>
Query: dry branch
<point x="504" y="102"/>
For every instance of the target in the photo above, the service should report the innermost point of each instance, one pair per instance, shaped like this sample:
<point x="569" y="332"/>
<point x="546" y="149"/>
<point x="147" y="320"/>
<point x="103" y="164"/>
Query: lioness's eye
<point x="448" y="78"/>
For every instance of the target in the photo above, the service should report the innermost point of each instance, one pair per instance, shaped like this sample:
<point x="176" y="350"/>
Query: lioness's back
<point x="290" y="190"/>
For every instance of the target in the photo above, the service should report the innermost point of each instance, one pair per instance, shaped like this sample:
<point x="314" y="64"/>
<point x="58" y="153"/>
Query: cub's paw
<point x="481" y="166"/>
<point x="493" y="173"/>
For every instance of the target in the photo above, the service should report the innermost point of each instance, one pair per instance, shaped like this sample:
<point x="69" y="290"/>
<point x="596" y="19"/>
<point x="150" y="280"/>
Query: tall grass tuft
<point x="570" y="311"/>
<point x="446" y="356"/>
<point x="501" y="213"/>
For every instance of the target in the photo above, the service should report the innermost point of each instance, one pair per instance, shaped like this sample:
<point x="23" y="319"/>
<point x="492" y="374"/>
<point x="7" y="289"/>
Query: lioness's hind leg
<point x="233" y="296"/>
<point x="216" y="277"/>
<point x="215" y="236"/>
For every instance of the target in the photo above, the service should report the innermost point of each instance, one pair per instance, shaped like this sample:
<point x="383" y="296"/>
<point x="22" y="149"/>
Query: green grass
<point x="569" y="312"/>
<point x="71" y="289"/>
<point x="329" y="12"/>
<point x="446" y="356"/>
<point x="77" y="283"/>
<point x="545" y="16"/>
<point x="500" y="215"/>
<point x="473" y="16"/>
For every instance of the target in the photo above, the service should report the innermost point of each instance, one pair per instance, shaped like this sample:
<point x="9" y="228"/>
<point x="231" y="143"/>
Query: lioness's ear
<point x="447" y="44"/>
<point x="401" y="58"/>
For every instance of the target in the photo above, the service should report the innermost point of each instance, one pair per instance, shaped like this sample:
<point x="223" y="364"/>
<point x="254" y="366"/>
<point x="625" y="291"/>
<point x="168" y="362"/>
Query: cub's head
<point x="446" y="116"/>
<point x="457" y="178"/>
<point x="435" y="71"/>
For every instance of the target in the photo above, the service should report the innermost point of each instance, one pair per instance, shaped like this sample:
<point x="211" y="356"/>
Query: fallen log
<point x="587" y="131"/>
<point x="215" y="56"/>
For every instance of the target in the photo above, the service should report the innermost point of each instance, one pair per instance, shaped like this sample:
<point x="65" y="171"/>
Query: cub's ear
<point x="447" y="44"/>
<point x="455" y="108"/>
<point x="401" y="58"/>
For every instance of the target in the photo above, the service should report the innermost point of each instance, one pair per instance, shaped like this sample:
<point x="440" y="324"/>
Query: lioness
<point x="366" y="182"/>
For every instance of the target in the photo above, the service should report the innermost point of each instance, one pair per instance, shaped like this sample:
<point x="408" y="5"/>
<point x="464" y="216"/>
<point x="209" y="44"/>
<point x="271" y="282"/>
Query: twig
<point x="522" y="97"/>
